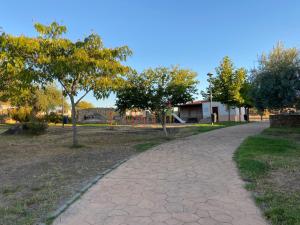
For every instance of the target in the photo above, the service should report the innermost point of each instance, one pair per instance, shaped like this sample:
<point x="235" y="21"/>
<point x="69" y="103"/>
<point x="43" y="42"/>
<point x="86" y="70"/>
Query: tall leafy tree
<point x="81" y="67"/>
<point x="157" y="90"/>
<point x="239" y="82"/>
<point x="276" y="81"/>
<point x="19" y="76"/>
<point x="227" y="84"/>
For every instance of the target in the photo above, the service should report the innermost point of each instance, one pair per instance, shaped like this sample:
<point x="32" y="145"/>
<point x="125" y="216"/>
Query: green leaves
<point x="54" y="30"/>
<point x="276" y="82"/>
<point x="156" y="89"/>
<point x="82" y="66"/>
<point x="228" y="83"/>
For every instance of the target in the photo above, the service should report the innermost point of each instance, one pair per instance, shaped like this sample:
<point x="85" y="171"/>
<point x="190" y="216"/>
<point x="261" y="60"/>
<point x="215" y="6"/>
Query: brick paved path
<point x="192" y="181"/>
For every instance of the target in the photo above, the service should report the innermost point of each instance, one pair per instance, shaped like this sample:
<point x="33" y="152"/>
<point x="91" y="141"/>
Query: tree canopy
<point x="276" y="81"/>
<point x="81" y="66"/>
<point x="84" y="105"/>
<point x="228" y="86"/>
<point x="157" y="90"/>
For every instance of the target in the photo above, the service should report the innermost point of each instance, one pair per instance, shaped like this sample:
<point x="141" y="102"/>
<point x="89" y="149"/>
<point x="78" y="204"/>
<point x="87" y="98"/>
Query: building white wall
<point x="223" y="112"/>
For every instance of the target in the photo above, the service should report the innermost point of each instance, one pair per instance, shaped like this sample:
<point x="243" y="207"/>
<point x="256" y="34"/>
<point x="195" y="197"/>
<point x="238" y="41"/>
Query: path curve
<point x="191" y="181"/>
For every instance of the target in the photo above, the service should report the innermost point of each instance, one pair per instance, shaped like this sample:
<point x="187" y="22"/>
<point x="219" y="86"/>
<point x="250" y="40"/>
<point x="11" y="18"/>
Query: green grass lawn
<point x="270" y="163"/>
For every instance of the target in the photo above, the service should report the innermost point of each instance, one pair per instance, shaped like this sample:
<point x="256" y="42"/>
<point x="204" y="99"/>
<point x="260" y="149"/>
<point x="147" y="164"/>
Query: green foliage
<point x="49" y="99"/>
<point x="245" y="93"/>
<point x="84" y="105"/>
<point x="229" y="86"/>
<point x="157" y="90"/>
<point x="54" y="30"/>
<point x="35" y="128"/>
<point x="18" y="65"/>
<point x="83" y="66"/>
<point x="223" y="88"/>
<point x="53" y="118"/>
<point x="276" y="82"/>
<point x="21" y="114"/>
<point x="80" y="66"/>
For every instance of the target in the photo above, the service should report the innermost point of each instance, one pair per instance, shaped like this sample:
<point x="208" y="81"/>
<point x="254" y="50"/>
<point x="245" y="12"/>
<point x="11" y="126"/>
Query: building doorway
<point x="215" y="110"/>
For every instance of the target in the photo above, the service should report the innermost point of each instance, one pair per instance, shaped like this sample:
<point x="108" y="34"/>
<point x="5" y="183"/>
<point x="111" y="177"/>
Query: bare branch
<point x="82" y="97"/>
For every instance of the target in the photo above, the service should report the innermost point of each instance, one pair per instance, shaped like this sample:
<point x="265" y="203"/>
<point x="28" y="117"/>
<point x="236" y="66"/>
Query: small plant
<point x="21" y="114"/>
<point x="35" y="128"/>
<point x="53" y="118"/>
<point x="3" y="118"/>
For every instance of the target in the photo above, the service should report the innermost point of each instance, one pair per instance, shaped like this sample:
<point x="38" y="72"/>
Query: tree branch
<point x="82" y="97"/>
<point x="64" y="87"/>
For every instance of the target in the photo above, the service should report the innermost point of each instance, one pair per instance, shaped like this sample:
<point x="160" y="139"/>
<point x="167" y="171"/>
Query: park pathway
<point x="191" y="181"/>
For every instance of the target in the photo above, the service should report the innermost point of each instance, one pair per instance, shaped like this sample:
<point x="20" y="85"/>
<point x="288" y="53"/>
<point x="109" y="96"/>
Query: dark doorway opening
<point x="215" y="110"/>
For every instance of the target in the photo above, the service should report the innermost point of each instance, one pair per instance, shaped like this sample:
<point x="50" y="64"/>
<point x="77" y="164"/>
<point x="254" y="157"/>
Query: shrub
<point x="2" y="118"/>
<point x="53" y="118"/>
<point x="35" y="128"/>
<point x="21" y="114"/>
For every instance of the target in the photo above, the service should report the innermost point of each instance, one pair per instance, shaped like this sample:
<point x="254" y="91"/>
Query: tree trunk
<point x="163" y="123"/>
<point x="74" y="127"/>
<point x="248" y="114"/>
<point x="34" y="110"/>
<point x="229" y="116"/>
<point x="240" y="114"/>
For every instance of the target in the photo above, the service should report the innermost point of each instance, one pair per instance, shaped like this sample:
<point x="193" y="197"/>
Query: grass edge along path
<point x="270" y="165"/>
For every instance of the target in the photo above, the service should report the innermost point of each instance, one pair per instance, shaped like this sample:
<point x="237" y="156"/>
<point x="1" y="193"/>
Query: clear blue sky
<point x="194" y="34"/>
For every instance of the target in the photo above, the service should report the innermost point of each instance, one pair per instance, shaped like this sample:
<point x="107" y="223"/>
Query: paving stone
<point x="191" y="181"/>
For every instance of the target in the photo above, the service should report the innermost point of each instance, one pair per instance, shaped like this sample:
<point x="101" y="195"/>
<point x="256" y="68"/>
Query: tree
<point x="19" y="77"/>
<point x="17" y="73"/>
<point x="157" y="90"/>
<point x="245" y="92"/>
<point x="84" y="105"/>
<point x="50" y="98"/>
<point x="227" y="84"/>
<point x="239" y="80"/>
<point x="276" y="81"/>
<point x="83" y="66"/>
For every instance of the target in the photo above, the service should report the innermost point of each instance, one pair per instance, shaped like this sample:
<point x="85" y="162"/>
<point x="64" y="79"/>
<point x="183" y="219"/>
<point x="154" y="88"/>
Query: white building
<point x="198" y="111"/>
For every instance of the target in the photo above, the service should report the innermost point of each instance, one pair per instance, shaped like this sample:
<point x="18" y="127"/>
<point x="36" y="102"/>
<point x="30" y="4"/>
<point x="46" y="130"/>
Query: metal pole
<point x="210" y="93"/>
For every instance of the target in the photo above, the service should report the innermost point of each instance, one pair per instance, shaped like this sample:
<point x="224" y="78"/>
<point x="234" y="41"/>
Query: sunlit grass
<point x="270" y="163"/>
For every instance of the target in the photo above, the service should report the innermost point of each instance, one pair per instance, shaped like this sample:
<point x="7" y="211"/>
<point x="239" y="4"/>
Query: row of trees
<point x="29" y="64"/>
<point x="273" y="85"/>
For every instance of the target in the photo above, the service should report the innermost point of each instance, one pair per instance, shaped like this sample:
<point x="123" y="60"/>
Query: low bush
<point x="53" y="118"/>
<point x="21" y="114"/>
<point x="35" y="128"/>
<point x="3" y="118"/>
